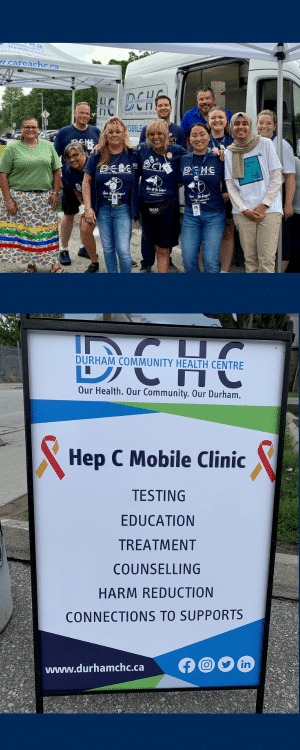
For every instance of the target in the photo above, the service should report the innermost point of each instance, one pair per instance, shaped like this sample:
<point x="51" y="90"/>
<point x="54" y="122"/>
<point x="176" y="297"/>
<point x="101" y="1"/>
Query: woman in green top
<point x="30" y="180"/>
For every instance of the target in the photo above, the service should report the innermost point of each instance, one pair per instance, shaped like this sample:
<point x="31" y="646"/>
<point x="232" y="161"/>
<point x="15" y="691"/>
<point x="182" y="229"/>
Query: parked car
<point x="3" y="142"/>
<point x="51" y="135"/>
<point x="17" y="135"/>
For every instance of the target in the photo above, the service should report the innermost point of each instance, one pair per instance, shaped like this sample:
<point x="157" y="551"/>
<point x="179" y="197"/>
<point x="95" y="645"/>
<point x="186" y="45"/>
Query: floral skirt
<point x="32" y="235"/>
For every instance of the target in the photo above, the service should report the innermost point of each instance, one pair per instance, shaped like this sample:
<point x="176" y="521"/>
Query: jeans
<point x="114" y="224"/>
<point x="207" y="229"/>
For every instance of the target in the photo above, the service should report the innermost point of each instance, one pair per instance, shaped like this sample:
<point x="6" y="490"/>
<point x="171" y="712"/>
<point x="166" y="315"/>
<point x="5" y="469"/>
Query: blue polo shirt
<point x="193" y="116"/>
<point x="177" y="135"/>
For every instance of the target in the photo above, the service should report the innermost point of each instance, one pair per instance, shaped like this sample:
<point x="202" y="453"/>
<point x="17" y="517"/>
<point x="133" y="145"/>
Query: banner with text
<point x="154" y="463"/>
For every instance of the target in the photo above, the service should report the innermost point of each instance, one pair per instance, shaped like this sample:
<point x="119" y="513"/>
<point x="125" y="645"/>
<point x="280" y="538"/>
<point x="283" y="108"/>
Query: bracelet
<point x="8" y="202"/>
<point x="87" y="209"/>
<point x="54" y="193"/>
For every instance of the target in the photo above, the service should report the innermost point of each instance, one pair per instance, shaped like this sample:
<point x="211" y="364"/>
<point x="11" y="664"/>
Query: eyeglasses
<point x="30" y="128"/>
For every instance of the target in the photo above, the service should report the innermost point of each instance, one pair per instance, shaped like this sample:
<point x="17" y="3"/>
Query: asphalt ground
<point x="80" y="265"/>
<point x="17" y="690"/>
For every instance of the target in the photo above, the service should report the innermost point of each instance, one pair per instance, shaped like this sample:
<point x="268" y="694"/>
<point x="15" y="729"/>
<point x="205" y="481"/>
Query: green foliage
<point x="288" y="520"/>
<point x="12" y="108"/>
<point x="274" y="321"/>
<point x="9" y="329"/>
<point x="57" y="103"/>
<point x="9" y="326"/>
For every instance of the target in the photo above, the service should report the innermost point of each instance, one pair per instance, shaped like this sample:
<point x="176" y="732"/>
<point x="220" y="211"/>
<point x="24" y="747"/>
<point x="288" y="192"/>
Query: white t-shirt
<point x="259" y="163"/>
<point x="296" y="202"/>
<point x="287" y="157"/>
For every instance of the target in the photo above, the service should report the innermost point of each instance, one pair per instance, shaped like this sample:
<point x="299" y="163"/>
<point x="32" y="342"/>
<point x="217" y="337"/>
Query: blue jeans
<point x="114" y="224"/>
<point x="207" y="229"/>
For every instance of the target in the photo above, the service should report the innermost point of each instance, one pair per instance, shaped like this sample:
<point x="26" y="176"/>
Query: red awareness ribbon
<point x="50" y="457"/>
<point x="265" y="461"/>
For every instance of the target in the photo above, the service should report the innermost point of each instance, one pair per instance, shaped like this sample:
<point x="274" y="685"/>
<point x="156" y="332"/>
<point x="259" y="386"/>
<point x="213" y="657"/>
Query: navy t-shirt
<point x="177" y="136"/>
<point x="160" y="174"/>
<point x="225" y="141"/>
<point x="70" y="134"/>
<point x="74" y="179"/>
<point x="113" y="179"/>
<point x="207" y="191"/>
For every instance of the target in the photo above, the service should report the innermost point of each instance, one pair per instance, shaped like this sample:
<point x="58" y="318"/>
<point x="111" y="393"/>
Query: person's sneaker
<point x="83" y="253"/>
<point x="172" y="268"/>
<point x="64" y="258"/>
<point x="93" y="268"/>
<point x="146" y="269"/>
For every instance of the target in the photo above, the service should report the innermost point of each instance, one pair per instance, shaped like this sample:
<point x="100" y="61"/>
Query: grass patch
<point x="288" y="520"/>
<point x="293" y="395"/>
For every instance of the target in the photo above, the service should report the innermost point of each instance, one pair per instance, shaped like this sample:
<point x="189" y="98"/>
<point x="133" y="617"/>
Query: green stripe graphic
<point x="146" y="684"/>
<point x="261" y="418"/>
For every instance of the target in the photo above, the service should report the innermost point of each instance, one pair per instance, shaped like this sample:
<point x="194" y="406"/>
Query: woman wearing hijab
<point x="253" y="176"/>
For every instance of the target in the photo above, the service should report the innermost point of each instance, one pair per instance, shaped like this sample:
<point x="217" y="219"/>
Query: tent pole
<point x="280" y="57"/>
<point x="118" y="99"/>
<point x="73" y="105"/>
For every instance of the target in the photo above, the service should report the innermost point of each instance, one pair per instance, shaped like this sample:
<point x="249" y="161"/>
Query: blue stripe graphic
<point x="205" y="663"/>
<point x="71" y="411"/>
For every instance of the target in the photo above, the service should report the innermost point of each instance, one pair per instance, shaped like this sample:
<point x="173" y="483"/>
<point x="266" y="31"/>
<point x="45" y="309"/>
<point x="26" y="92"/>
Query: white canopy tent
<point x="261" y="51"/>
<point x="43" y="66"/>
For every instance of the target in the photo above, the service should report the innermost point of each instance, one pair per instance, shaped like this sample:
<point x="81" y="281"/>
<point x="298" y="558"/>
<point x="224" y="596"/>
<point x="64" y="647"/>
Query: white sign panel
<point x="154" y="464"/>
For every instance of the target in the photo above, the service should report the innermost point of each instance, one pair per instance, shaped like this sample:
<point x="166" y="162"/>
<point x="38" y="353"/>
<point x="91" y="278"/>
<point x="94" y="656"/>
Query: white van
<point x="240" y="85"/>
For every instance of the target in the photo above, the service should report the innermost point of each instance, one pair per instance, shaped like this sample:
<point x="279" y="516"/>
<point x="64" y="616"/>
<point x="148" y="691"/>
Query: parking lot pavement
<point x="17" y="692"/>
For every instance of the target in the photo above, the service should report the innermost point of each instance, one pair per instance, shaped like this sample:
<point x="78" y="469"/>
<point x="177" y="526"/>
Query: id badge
<point x="114" y="200"/>
<point x="168" y="169"/>
<point x="196" y="209"/>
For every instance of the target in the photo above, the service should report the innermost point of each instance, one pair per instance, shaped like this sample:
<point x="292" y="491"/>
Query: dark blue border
<point x="140" y="293"/>
<point x="173" y="294"/>
<point x="135" y="732"/>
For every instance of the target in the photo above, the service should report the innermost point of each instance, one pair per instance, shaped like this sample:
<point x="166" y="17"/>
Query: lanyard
<point x="113" y="164"/>
<point x="216" y="143"/>
<point x="196" y="170"/>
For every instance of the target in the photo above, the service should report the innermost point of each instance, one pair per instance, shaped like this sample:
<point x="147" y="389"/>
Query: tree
<point x="9" y="329"/>
<point x="12" y="108"/>
<point x="57" y="103"/>
<point x="9" y="326"/>
<point x="274" y="321"/>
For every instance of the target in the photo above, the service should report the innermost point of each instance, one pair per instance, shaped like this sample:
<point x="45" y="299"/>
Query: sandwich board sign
<point x="154" y="461"/>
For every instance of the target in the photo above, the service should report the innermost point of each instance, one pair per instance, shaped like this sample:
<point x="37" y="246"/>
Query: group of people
<point x="230" y="177"/>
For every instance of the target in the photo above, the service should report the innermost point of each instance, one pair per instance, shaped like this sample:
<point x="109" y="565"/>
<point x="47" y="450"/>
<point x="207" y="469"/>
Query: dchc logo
<point x="103" y="357"/>
<point x="103" y="360"/>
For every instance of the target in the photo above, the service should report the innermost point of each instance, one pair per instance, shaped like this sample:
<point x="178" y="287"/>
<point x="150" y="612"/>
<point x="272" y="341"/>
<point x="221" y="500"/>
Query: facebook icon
<point x="186" y="666"/>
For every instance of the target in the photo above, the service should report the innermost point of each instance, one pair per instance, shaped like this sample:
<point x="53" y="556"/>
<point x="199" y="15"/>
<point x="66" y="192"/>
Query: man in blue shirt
<point x="89" y="135"/>
<point x="206" y="100"/>
<point x="177" y="137"/>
